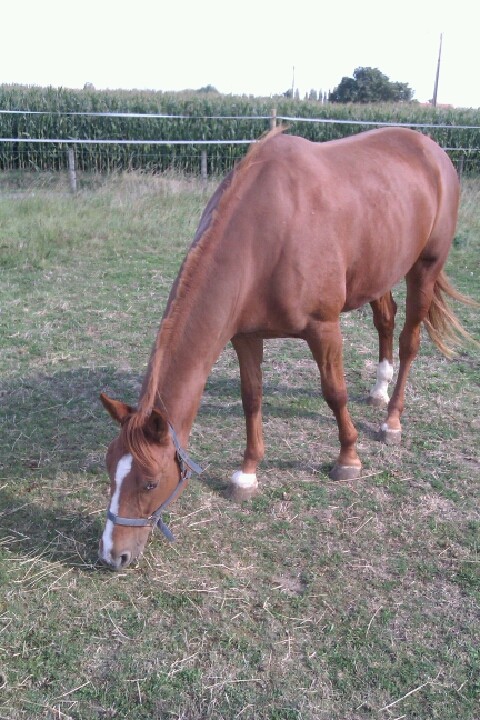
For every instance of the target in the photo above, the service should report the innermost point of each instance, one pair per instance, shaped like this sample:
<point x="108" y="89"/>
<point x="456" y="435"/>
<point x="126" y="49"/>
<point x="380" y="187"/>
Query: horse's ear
<point x="156" y="427"/>
<point x="117" y="410"/>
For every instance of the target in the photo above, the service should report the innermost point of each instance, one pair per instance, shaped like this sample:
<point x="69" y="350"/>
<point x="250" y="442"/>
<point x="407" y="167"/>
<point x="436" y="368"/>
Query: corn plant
<point x="62" y="114"/>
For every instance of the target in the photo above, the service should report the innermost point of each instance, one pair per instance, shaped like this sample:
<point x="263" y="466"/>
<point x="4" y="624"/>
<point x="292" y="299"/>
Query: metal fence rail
<point x="191" y="154"/>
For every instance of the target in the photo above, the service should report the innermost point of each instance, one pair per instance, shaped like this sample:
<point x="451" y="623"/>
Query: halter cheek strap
<point x="187" y="465"/>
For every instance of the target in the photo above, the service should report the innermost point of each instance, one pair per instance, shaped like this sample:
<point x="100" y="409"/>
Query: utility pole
<point x="293" y="83"/>
<point x="435" y="87"/>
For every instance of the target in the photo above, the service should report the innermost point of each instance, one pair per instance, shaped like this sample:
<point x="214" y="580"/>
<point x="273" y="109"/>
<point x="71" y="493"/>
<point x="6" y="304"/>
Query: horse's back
<point x="339" y="223"/>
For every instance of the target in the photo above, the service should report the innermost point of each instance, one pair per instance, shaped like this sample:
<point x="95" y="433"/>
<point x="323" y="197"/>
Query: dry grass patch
<point x="318" y="600"/>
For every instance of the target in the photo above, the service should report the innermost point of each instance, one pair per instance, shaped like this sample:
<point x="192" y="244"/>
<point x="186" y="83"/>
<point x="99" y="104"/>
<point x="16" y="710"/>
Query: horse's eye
<point x="151" y="486"/>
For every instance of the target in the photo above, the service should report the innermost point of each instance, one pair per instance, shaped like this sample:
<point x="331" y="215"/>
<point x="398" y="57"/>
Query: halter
<point x="187" y="465"/>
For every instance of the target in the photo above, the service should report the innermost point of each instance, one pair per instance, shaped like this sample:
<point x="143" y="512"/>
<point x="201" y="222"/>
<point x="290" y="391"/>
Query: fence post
<point x="203" y="165"/>
<point x="72" y="173"/>
<point x="460" y="167"/>
<point x="273" y="118"/>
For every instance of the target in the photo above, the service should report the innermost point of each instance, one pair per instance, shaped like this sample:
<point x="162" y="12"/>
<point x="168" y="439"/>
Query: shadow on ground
<point x="54" y="432"/>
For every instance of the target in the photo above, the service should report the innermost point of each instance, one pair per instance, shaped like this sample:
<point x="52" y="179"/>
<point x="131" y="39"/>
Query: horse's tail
<point x="443" y="326"/>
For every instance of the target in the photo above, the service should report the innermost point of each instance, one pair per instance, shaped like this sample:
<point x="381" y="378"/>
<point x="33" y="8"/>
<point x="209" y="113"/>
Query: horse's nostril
<point x="125" y="559"/>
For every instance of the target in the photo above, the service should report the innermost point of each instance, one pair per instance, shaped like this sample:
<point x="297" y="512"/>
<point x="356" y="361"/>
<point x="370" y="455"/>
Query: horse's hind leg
<point x="420" y="288"/>
<point x="384" y="311"/>
<point x="325" y="342"/>
<point x="250" y="354"/>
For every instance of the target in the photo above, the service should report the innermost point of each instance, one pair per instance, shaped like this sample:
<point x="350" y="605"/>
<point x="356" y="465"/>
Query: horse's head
<point x="146" y="473"/>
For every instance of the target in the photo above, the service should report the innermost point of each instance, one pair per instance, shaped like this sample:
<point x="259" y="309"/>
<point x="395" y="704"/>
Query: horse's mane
<point x="191" y="269"/>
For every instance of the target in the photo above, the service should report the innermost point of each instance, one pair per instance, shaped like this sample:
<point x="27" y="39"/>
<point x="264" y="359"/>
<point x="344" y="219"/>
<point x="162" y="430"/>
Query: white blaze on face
<point x="123" y="468"/>
<point x="384" y="375"/>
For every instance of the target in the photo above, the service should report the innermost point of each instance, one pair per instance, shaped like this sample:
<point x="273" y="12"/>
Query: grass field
<point x="319" y="600"/>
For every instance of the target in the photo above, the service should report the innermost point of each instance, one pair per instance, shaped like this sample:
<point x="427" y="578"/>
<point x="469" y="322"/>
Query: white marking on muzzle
<point x="123" y="468"/>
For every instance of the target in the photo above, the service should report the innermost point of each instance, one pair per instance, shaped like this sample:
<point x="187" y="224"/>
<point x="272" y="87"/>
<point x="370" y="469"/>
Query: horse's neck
<point x="198" y="322"/>
<point x="190" y="339"/>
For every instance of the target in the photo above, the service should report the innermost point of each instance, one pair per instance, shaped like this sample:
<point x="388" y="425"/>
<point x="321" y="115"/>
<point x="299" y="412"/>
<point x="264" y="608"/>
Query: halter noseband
<point x="187" y="465"/>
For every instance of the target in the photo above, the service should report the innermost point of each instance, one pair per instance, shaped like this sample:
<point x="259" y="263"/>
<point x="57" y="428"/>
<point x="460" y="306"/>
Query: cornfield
<point x="62" y="114"/>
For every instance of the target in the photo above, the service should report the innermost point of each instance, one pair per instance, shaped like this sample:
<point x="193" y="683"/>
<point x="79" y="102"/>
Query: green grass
<point x="319" y="600"/>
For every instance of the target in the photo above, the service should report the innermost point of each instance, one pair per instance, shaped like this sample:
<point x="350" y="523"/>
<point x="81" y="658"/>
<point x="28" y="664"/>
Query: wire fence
<point x="192" y="152"/>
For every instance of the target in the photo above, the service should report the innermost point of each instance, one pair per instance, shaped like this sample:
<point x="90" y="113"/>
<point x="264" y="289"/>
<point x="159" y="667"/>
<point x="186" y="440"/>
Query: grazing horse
<point x="296" y="234"/>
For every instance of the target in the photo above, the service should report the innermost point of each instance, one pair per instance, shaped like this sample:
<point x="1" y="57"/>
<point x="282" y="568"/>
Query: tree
<point x="370" y="85"/>
<point x="208" y="89"/>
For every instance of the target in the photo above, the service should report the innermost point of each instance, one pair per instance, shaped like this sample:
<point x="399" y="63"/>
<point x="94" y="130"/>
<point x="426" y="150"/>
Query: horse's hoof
<point x="390" y="437"/>
<point x="376" y="401"/>
<point x="243" y="486"/>
<point x="239" y="495"/>
<point x="345" y="472"/>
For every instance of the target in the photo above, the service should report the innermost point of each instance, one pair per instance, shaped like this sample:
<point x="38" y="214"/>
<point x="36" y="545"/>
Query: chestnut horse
<point x="296" y="234"/>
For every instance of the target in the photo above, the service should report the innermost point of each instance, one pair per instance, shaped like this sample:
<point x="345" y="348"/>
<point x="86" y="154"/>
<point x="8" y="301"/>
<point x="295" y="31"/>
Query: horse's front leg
<point x="249" y="350"/>
<point x="325" y="341"/>
<point x="384" y="310"/>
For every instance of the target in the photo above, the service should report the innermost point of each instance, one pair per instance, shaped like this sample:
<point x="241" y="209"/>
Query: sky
<point x="250" y="47"/>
